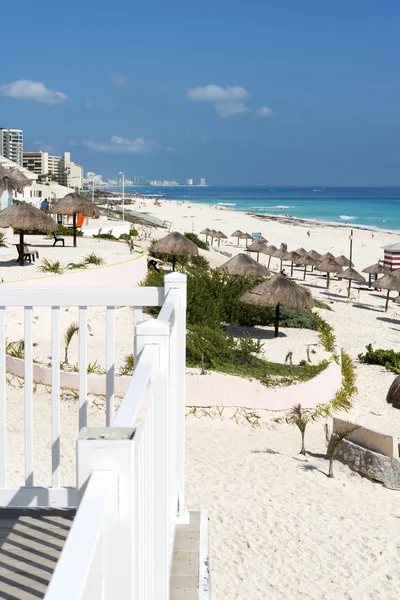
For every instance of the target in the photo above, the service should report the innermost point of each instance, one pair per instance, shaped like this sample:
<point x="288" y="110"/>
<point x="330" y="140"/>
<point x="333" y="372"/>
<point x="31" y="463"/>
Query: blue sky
<point x="296" y="92"/>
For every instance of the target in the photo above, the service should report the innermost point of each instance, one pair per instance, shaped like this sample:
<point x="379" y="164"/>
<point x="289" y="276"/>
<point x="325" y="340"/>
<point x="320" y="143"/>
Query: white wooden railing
<point x="130" y="474"/>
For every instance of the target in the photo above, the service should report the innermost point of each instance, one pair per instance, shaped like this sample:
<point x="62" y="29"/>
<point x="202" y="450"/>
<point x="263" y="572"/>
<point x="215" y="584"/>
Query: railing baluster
<point x="3" y="400"/>
<point x="137" y="318"/>
<point x="110" y="364"/>
<point x="55" y="397"/>
<point x="28" y="396"/>
<point x="82" y="368"/>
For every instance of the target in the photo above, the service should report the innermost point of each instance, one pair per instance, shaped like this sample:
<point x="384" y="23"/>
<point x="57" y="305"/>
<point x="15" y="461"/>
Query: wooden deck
<point x="31" y="542"/>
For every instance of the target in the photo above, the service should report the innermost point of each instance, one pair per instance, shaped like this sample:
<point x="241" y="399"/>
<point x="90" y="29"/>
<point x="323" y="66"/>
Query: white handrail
<point x="72" y="578"/>
<point x="168" y="307"/>
<point x="128" y="411"/>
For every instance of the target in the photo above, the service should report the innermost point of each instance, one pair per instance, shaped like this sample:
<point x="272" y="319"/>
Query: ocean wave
<point x="347" y="218"/>
<point x="280" y="206"/>
<point x="226" y="204"/>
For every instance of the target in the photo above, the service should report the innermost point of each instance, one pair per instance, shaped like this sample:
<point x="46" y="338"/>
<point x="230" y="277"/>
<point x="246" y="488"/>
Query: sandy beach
<point x="279" y="528"/>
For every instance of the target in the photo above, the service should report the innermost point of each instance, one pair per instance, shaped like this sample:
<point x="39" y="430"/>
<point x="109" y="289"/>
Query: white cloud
<point x="230" y="109"/>
<point x="264" y="111"/>
<point x="42" y="146"/>
<point x="24" y="89"/>
<point x="170" y="149"/>
<point x="88" y="102"/>
<point x="216" y="93"/>
<point x="118" y="80"/>
<point x="119" y="145"/>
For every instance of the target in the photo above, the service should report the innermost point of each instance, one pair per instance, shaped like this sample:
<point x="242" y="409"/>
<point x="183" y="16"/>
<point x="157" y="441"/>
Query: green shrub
<point x="49" y="266"/>
<point x="127" y="367"/>
<point x="195" y="238"/>
<point x="125" y="236"/>
<point x="212" y="348"/>
<point x="321" y="304"/>
<point x="93" y="259"/>
<point x="72" y="266"/>
<point x="199" y="262"/>
<point x="326" y="333"/>
<point x="3" y="243"/>
<point x="386" y="358"/>
<point x="68" y="231"/>
<point x="105" y="236"/>
<point x="134" y="232"/>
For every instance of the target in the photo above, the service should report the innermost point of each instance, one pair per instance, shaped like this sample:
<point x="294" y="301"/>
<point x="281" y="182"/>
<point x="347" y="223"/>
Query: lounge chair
<point x="30" y="255"/>
<point x="58" y="239"/>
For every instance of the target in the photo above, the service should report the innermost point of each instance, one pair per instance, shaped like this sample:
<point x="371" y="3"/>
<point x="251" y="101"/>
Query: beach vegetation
<point x="73" y="266"/>
<point x="126" y="237"/>
<point x="93" y="259"/>
<point x="385" y="358"/>
<point x="105" y="236"/>
<point x="94" y="367"/>
<point x="128" y="365"/>
<point x="199" y="262"/>
<point x="3" y="243"/>
<point x="72" y="329"/>
<point x="62" y="230"/>
<point x="327" y="336"/>
<point x="16" y="349"/>
<point x="320" y="304"/>
<point x="51" y="266"/>
<point x="195" y="238"/>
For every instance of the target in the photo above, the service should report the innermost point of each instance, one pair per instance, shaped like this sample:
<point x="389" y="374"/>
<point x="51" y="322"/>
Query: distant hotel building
<point x="64" y="170"/>
<point x="202" y="181"/>
<point x="189" y="181"/>
<point x="12" y="144"/>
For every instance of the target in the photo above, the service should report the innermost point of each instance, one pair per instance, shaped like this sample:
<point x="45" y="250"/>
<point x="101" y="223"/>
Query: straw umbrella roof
<point x="344" y="261"/>
<point x="221" y="235"/>
<point x="279" y="290"/>
<point x="315" y="255"/>
<point x="352" y="275"/>
<point x="213" y="233"/>
<point x="307" y="260"/>
<point x="257" y="246"/>
<point x="73" y="204"/>
<point x="269" y="250"/>
<point x="246" y="236"/>
<point x="388" y="282"/>
<point x="175" y="244"/>
<point x="301" y="251"/>
<point x="329" y="265"/>
<point x="279" y="253"/>
<point x="13" y="179"/>
<point x="393" y="395"/>
<point x="26" y="217"/>
<point x="261" y="238"/>
<point x="377" y="269"/>
<point x="205" y="231"/>
<point x="326" y="255"/>
<point x="243" y="266"/>
<point x="293" y="256"/>
<point x="237" y="233"/>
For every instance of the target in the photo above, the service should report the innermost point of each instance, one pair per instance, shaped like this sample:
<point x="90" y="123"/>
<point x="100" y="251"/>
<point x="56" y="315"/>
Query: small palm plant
<point x="336" y="439"/>
<point x="127" y="367"/>
<point x="68" y="335"/>
<point x="300" y="418"/>
<point x="3" y="243"/>
<point x="49" y="266"/>
<point x="93" y="259"/>
<point x="289" y="359"/>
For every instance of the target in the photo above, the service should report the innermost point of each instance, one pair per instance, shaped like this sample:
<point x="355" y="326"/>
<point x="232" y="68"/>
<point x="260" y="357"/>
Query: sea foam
<point x="346" y="217"/>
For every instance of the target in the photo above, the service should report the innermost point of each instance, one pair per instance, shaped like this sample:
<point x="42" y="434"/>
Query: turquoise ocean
<point x="369" y="207"/>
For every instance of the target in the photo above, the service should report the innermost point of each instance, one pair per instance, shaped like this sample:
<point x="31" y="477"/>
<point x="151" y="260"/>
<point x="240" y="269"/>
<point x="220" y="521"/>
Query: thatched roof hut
<point x="328" y="266"/>
<point x="175" y="244"/>
<point x="247" y="237"/>
<point x="388" y="282"/>
<point x="74" y="204"/>
<point x="344" y="261"/>
<point x="301" y="251"/>
<point x="327" y="255"/>
<point x="237" y="234"/>
<point x="205" y="232"/>
<point x="307" y="261"/>
<point x="219" y="235"/>
<point x="351" y="275"/>
<point x="293" y="257"/>
<point x="25" y="217"/>
<point x="376" y="269"/>
<point x="258" y="247"/>
<point x="13" y="179"/>
<point x="243" y="265"/>
<point x="269" y="251"/>
<point x="393" y="395"/>
<point x="315" y="255"/>
<point x="276" y="291"/>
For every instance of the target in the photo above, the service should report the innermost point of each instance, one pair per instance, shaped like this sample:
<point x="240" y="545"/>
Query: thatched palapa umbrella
<point x="315" y="255"/>
<point x="294" y="257"/>
<point x="301" y="251"/>
<point x="25" y="217"/>
<point x="247" y="237"/>
<point x="352" y="275"/>
<point x="376" y="270"/>
<point x="237" y="234"/>
<point x="74" y="204"/>
<point x="213" y="235"/>
<point x="220" y="236"/>
<point x="343" y="261"/>
<point x="280" y="254"/>
<point x="326" y="255"/>
<point x="269" y="251"/>
<point x="243" y="265"/>
<point x="276" y="291"/>
<point x="258" y="247"/>
<point x="328" y="266"/>
<point x="388" y="282"/>
<point x="307" y="260"/>
<point x="205" y="232"/>
<point x="261" y="238"/>
<point x="175" y="244"/>
<point x="13" y="179"/>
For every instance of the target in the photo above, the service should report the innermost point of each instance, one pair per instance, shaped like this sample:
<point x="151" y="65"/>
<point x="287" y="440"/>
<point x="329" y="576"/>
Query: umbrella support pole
<point x="291" y="271"/>
<point x="269" y="262"/>
<point x="349" y="290"/>
<point x="74" y="226"/>
<point x="387" y="300"/>
<point x="328" y="280"/>
<point x="21" y="248"/>
<point x="276" y="333"/>
<point x="304" y="274"/>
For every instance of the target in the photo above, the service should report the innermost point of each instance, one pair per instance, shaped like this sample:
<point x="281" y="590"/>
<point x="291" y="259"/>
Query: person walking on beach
<point x="309" y="233"/>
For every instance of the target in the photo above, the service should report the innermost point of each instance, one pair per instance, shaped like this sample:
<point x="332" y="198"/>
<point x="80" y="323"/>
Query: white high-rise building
<point x="189" y="181"/>
<point x="12" y="144"/>
<point x="71" y="174"/>
<point x="202" y="181"/>
<point x="62" y="168"/>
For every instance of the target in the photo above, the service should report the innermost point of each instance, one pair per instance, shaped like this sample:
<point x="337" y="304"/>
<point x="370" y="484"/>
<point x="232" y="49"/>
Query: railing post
<point x="152" y="332"/>
<point x="179" y="281"/>
<point x="112" y="449"/>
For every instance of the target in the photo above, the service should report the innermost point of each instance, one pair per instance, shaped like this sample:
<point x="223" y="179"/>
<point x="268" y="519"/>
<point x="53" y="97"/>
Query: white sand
<point x="279" y="528"/>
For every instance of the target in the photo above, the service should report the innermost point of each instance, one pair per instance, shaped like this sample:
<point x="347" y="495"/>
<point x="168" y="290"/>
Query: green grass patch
<point x="386" y="358"/>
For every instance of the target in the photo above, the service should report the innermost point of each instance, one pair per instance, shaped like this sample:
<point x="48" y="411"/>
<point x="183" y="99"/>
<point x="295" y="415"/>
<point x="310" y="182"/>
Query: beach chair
<point x="58" y="239"/>
<point x="28" y="254"/>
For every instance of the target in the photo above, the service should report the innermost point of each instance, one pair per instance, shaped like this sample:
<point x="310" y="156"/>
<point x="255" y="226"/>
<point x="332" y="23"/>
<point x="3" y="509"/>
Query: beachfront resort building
<point x="64" y="171"/>
<point x="202" y="181"/>
<point x="11" y="144"/>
